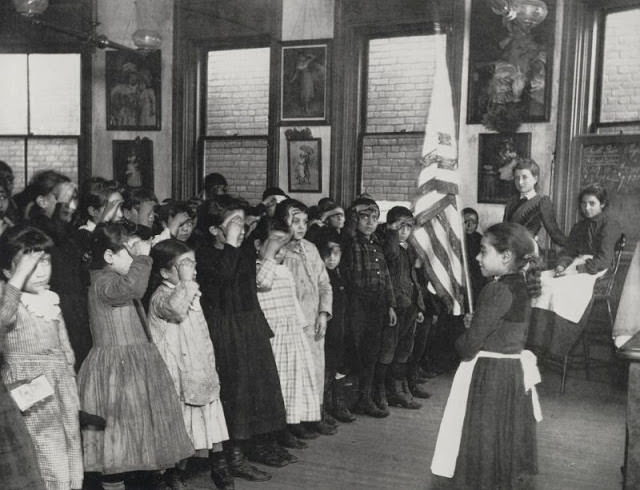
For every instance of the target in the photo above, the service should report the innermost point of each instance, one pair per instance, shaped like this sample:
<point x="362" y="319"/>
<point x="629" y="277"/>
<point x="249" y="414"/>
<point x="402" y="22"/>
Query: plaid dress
<point x="277" y="296"/>
<point x="35" y="344"/>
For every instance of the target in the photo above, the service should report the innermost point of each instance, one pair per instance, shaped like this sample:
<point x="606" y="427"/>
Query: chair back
<point x="615" y="265"/>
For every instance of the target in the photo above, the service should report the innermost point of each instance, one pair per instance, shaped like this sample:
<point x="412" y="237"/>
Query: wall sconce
<point x="145" y="38"/>
<point x="528" y="13"/>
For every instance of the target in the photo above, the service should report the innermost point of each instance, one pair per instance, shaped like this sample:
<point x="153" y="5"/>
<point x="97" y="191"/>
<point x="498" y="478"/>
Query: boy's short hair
<point x="365" y="204"/>
<point x="214" y="179"/>
<point x="398" y="212"/>
<point x="273" y="191"/>
<point x="326" y="240"/>
<point x="132" y="198"/>
<point x="470" y="211"/>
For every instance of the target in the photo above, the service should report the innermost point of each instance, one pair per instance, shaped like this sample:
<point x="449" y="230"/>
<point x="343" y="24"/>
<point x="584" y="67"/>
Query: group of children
<point x="217" y="328"/>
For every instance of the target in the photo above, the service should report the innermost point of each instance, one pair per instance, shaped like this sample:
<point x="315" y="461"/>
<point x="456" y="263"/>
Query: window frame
<point x="202" y="138"/>
<point x="84" y="138"/>
<point x="600" y="19"/>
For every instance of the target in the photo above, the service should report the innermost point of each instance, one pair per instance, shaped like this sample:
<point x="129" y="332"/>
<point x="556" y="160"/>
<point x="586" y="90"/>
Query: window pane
<point x="620" y="99"/>
<point x="12" y="152"/>
<point x="238" y="92"/>
<point x="13" y="94"/>
<point x="54" y="90"/>
<point x="242" y="162"/>
<point x="389" y="166"/>
<point x="59" y="154"/>
<point x="400" y="79"/>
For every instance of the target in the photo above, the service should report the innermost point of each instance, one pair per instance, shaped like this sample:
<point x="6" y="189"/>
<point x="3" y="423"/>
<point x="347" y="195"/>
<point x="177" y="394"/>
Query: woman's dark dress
<point x="334" y="341"/>
<point x="249" y="384"/>
<point x="498" y="445"/>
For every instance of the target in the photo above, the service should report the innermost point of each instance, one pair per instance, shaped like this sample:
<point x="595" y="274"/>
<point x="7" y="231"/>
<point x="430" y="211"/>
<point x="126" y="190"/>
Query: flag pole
<point x="437" y="27"/>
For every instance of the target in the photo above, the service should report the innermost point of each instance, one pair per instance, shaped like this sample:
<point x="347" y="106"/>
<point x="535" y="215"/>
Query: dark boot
<point x="321" y="427"/>
<point x="416" y="391"/>
<point x="380" y="390"/>
<point x="413" y="380"/>
<point x="404" y="398"/>
<point x="327" y="404"/>
<point x="220" y="472"/>
<point x="241" y="469"/>
<point x="365" y="404"/>
<point x="174" y="478"/>
<point x="288" y="440"/>
<point x="340" y="407"/>
<point x="301" y="432"/>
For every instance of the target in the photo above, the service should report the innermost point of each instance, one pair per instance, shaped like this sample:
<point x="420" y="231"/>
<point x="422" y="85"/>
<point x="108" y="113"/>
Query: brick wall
<point x="400" y="79"/>
<point x="59" y="154"/>
<point x="389" y="166"/>
<point x="242" y="162"/>
<point x="620" y="90"/>
<point x="238" y="92"/>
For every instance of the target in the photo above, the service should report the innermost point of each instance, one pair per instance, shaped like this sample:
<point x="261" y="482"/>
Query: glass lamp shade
<point x="30" y="7"/>
<point x="530" y="13"/>
<point x="147" y="39"/>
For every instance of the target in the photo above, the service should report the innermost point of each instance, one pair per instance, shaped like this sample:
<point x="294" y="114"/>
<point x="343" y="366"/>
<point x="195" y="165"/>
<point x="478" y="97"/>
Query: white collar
<point x="529" y="195"/>
<point x="44" y="304"/>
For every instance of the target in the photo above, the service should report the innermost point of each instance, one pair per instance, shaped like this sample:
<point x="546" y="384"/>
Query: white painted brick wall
<point x="399" y="83"/>
<point x="242" y="162"/>
<point x="621" y="84"/>
<point x="238" y="92"/>
<point x="390" y="166"/>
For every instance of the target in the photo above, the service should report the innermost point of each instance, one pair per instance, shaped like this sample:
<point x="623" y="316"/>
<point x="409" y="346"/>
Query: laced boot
<point x="404" y="397"/>
<point x="412" y="382"/>
<point x="380" y="393"/>
<point x="241" y="469"/>
<point x="220" y="472"/>
<point x="340" y="408"/>
<point x="365" y="404"/>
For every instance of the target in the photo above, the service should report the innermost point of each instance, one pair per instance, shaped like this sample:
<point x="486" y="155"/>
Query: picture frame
<point x="133" y="91"/>
<point x="497" y="154"/>
<point x="133" y="162"/>
<point x="304" y="82"/>
<point x="510" y="67"/>
<point x="304" y="163"/>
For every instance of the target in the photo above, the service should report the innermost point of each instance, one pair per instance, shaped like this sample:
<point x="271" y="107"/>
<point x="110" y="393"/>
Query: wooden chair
<point x="603" y="292"/>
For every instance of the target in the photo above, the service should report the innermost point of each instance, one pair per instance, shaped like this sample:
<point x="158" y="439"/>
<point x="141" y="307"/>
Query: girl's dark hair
<point x="470" y="211"/>
<point x="595" y="190"/>
<point x="94" y="193"/>
<point x="170" y="209"/>
<point x="132" y="198"/>
<point x="22" y="238"/>
<point x="42" y="184"/>
<point x="164" y="254"/>
<point x="107" y="236"/>
<point x="212" y="212"/>
<point x="264" y="228"/>
<point x="517" y="239"/>
<point x="282" y="209"/>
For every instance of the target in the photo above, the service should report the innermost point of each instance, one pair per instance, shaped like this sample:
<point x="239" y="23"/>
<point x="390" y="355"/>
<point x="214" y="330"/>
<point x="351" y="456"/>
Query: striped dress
<point x="36" y="343"/>
<point x="296" y="369"/>
<point x="125" y="381"/>
<point x="179" y="330"/>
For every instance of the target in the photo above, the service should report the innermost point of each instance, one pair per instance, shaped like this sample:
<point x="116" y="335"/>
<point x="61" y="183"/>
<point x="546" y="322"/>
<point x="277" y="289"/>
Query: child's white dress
<point x="296" y="369"/>
<point x="179" y="330"/>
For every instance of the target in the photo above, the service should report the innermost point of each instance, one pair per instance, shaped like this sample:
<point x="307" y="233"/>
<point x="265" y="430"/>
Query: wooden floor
<point x="580" y="444"/>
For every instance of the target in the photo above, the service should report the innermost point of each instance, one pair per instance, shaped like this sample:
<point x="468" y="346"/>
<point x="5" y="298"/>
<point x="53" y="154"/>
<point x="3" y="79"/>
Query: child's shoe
<point x="241" y="469"/>
<point x="220" y="472"/>
<point x="288" y="440"/>
<point x="321" y="427"/>
<point x="340" y="409"/>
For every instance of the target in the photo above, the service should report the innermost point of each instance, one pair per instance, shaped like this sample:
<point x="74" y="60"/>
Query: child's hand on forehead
<point x="233" y="228"/>
<point x="110" y="210"/>
<point x="136" y="246"/>
<point x="65" y="192"/>
<point x="25" y="264"/>
<point x="276" y="240"/>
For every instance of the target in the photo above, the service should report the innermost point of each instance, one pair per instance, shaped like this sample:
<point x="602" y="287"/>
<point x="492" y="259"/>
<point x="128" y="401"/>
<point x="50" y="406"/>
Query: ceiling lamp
<point x="146" y="37"/>
<point x="30" y="7"/>
<point x="527" y="13"/>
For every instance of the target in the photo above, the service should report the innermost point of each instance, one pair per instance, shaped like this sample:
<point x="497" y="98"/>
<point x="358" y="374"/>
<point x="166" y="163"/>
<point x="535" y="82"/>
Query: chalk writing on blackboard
<point x="615" y="165"/>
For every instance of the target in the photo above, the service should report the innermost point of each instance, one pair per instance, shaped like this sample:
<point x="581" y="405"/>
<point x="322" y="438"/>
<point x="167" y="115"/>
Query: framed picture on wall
<point x="497" y="155"/>
<point x="133" y="162"/>
<point x="304" y="82"/>
<point x="510" y="61"/>
<point x="304" y="162"/>
<point x="133" y="90"/>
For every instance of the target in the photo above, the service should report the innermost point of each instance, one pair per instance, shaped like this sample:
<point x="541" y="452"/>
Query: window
<point x="237" y="119"/>
<point x="40" y="116"/>
<point x="400" y="74"/>
<point x="618" y="94"/>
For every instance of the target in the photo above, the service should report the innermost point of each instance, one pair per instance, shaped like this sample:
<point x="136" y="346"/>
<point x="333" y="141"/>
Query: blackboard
<point x="614" y="161"/>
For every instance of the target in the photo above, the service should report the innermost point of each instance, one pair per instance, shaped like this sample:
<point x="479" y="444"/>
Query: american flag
<point x="438" y="236"/>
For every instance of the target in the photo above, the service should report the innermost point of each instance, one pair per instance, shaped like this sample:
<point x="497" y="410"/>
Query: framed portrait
<point x="304" y="161"/>
<point x="133" y="90"/>
<point x="304" y="82"/>
<point x="510" y="63"/>
<point x="497" y="155"/>
<point x="133" y="162"/>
